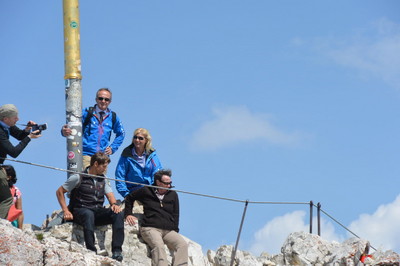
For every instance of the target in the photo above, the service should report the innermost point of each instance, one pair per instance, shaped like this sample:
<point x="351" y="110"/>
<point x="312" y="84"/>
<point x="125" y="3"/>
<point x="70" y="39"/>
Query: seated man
<point x="86" y="204"/>
<point x="161" y="220"/>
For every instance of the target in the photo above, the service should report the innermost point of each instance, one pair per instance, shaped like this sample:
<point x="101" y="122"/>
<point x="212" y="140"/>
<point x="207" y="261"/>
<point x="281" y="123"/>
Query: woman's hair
<point x="148" y="147"/>
<point x="11" y="173"/>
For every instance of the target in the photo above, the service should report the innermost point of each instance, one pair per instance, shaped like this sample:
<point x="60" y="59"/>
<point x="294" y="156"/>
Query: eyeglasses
<point x="103" y="99"/>
<point x="138" y="137"/>
<point x="166" y="183"/>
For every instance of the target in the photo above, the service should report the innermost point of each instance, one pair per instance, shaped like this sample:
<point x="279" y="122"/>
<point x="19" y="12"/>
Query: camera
<point x="39" y="127"/>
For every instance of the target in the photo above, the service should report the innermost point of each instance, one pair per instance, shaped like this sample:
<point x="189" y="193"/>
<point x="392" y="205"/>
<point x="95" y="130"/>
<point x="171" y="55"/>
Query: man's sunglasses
<point x="138" y="137"/>
<point x="103" y="99"/>
<point x="166" y="183"/>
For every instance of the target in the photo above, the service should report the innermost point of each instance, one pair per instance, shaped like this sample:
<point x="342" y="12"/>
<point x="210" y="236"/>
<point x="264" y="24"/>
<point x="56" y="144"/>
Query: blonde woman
<point x="138" y="163"/>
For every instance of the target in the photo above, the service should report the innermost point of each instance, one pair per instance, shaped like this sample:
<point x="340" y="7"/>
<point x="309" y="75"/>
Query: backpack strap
<point x="90" y="111"/>
<point x="114" y="118"/>
<point x="89" y="116"/>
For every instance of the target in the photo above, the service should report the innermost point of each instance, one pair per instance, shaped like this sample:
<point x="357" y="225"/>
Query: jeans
<point x="89" y="218"/>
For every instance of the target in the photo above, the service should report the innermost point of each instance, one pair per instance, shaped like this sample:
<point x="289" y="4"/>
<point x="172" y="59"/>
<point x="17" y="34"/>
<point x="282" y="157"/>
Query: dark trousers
<point x="6" y="199"/>
<point x="89" y="218"/>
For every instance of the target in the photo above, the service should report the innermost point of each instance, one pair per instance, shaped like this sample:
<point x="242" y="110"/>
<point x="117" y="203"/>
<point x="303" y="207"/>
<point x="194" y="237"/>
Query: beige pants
<point x="156" y="238"/>
<point x="86" y="161"/>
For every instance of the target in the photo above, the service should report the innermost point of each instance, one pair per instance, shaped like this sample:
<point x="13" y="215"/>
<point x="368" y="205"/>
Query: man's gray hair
<point x="8" y="110"/>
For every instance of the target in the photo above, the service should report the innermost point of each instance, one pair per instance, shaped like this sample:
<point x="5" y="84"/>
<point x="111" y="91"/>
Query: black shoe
<point x="117" y="256"/>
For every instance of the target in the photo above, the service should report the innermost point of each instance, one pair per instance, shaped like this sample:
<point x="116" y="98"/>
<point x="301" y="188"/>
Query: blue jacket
<point x="128" y="169"/>
<point x="97" y="136"/>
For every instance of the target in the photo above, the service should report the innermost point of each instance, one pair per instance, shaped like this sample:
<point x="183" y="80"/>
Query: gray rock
<point x="62" y="244"/>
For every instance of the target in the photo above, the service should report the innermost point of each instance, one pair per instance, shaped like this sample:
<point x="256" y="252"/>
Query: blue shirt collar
<point x="98" y="110"/>
<point x="4" y="125"/>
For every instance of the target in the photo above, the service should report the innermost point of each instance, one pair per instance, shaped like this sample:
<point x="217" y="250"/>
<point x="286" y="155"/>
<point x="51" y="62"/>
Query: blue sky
<point x="282" y="101"/>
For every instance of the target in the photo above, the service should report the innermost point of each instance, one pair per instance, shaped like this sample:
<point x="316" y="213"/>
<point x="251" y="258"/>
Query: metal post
<point x="319" y="218"/>
<point x="73" y="88"/>
<point x="240" y="231"/>
<point x="311" y="215"/>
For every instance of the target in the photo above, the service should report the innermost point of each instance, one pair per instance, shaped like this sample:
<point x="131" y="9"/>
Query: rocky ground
<point x="60" y="245"/>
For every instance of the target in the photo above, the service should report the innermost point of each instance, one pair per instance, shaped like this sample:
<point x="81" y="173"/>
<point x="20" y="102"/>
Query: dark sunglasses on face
<point x="103" y="99"/>
<point x="138" y="137"/>
<point x="166" y="183"/>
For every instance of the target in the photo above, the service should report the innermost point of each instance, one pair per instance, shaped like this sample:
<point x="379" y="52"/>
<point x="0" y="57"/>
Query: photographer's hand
<point x="29" y="125"/>
<point x="33" y="135"/>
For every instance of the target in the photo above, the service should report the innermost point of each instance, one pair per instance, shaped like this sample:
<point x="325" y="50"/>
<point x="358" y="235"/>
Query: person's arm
<point x="129" y="200"/>
<point x="18" y="205"/>
<point x="176" y="212"/>
<point x="8" y="147"/>
<point x="113" y="202"/>
<point x="120" y="174"/>
<point x="156" y="164"/>
<point x="61" y="199"/>
<point x="119" y="131"/>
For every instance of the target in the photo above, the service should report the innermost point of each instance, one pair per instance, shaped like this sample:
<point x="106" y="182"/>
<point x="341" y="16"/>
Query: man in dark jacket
<point x="86" y="204"/>
<point x="8" y="119"/>
<point x="160" y="224"/>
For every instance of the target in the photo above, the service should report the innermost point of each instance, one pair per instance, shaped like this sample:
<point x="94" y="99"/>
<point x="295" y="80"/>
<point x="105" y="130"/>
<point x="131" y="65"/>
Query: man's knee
<point x="118" y="220"/>
<point x="84" y="217"/>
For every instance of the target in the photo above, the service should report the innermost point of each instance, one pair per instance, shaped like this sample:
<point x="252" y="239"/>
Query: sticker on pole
<point x="73" y="24"/>
<point x="71" y="155"/>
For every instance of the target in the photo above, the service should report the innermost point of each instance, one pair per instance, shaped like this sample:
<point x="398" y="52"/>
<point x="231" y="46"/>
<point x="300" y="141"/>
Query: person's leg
<point x="153" y="237"/>
<point x="107" y="216"/>
<point x="85" y="217"/>
<point x="6" y="199"/>
<point x="176" y="242"/>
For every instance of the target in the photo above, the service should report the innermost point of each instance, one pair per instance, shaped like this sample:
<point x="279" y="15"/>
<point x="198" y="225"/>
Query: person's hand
<point x="115" y="208"/>
<point x="132" y="220"/>
<point x="66" y="131"/>
<point x="108" y="150"/>
<point x="29" y="126"/>
<point x="68" y="216"/>
<point x="35" y="134"/>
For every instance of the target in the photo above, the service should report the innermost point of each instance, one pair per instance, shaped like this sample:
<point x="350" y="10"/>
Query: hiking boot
<point x="117" y="256"/>
<point x="102" y="252"/>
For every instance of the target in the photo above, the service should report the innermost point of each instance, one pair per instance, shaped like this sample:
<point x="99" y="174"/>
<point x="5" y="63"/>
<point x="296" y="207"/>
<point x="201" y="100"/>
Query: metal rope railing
<point x="318" y="206"/>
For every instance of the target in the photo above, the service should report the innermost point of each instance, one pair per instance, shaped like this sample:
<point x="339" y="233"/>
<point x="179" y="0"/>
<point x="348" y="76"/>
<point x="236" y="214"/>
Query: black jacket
<point x="6" y="147"/>
<point x="159" y="214"/>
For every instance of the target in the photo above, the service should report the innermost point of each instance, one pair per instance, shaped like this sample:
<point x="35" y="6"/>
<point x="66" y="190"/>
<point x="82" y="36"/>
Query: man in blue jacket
<point x="98" y="123"/>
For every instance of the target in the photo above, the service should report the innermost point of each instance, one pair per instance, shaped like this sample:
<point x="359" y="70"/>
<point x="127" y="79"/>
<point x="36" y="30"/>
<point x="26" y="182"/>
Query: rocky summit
<point x="62" y="244"/>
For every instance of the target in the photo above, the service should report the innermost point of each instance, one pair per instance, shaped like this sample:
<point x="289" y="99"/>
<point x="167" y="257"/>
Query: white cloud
<point x="382" y="227"/>
<point x="373" y="52"/>
<point x="236" y="124"/>
<point x="271" y="237"/>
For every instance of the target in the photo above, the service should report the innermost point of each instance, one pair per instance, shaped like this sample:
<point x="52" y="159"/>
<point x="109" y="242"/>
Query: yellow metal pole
<point x="72" y="53"/>
<point x="73" y="87"/>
